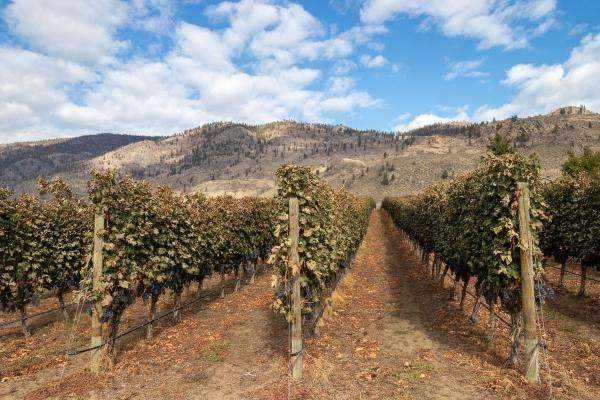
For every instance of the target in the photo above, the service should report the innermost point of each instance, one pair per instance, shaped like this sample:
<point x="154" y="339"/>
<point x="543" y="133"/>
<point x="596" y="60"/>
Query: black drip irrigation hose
<point x="5" y="324"/>
<point x="589" y="278"/>
<point x="72" y="353"/>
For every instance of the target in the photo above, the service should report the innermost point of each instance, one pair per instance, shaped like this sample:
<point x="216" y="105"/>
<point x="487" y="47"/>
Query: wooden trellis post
<point x="294" y="260"/>
<point x="532" y="368"/>
<point x="97" y="260"/>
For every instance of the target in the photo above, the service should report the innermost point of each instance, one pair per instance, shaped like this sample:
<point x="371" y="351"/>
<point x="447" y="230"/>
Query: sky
<point x="73" y="67"/>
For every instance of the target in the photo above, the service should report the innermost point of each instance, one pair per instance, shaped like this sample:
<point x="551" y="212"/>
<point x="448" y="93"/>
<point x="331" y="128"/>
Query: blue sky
<point x="72" y="67"/>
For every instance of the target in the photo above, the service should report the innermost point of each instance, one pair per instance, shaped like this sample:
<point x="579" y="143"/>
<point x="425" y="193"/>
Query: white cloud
<point x="347" y="101"/>
<point x="85" y="30"/>
<point x="407" y="122"/>
<point x="539" y="89"/>
<point x="278" y="35"/>
<point x="152" y="15"/>
<point x="162" y="97"/>
<point x="32" y="90"/>
<point x="139" y="96"/>
<point x="246" y="19"/>
<point x="398" y="68"/>
<point x="340" y="84"/>
<point x="204" y="46"/>
<point x="493" y="23"/>
<point x="81" y="31"/>
<point x="344" y="6"/>
<point x="343" y="67"/>
<point x="466" y="68"/>
<point x="373" y="61"/>
<point x="250" y="70"/>
<point x="543" y="88"/>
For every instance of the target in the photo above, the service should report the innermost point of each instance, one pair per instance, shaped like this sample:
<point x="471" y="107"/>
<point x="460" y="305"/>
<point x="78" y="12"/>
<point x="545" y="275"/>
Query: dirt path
<point x="377" y="339"/>
<point x="390" y="334"/>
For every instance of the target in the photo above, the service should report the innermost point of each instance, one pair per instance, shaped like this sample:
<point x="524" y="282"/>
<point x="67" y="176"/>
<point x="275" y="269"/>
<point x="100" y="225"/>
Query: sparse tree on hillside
<point x="500" y="145"/>
<point x="522" y="138"/>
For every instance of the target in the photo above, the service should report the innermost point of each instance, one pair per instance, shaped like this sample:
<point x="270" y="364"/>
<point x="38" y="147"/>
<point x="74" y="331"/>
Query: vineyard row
<point x="471" y="227"/>
<point x="154" y="240"/>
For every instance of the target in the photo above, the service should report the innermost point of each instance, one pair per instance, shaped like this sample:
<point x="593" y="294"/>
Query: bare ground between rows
<point x="568" y="331"/>
<point x="376" y="343"/>
<point x="39" y="362"/>
<point x="394" y="334"/>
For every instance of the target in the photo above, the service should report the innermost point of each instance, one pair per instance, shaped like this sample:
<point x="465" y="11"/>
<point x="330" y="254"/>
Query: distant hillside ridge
<point x="214" y="151"/>
<point x="228" y="150"/>
<point x="521" y="130"/>
<point x="27" y="160"/>
<point x="241" y="159"/>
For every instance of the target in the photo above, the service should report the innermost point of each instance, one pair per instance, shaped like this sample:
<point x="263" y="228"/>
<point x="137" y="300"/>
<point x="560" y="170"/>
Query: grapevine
<point x="332" y="224"/>
<point x="471" y="224"/>
<point x="573" y="228"/>
<point x="42" y="246"/>
<point x="156" y="239"/>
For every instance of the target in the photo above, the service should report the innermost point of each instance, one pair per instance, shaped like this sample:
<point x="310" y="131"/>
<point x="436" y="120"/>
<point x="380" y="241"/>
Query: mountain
<point x="240" y="159"/>
<point x="563" y="123"/>
<point x="219" y="157"/>
<point x="21" y="163"/>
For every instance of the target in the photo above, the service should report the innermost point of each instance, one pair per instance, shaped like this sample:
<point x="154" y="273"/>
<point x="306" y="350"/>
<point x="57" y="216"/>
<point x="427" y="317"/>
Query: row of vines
<point x="573" y="228"/>
<point x="154" y="240"/>
<point x="332" y="223"/>
<point x="471" y="224"/>
<point x="43" y="242"/>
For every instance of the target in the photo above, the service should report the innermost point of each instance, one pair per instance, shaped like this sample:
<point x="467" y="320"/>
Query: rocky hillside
<point x="214" y="158"/>
<point x="231" y="158"/>
<point x="24" y="162"/>
<point x="564" y="125"/>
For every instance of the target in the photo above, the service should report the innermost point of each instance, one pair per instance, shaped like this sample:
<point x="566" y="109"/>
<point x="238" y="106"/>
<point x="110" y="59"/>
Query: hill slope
<point x="21" y="163"/>
<point x="220" y="158"/>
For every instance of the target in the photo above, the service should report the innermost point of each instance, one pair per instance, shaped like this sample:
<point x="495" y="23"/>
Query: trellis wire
<point x="542" y="332"/>
<point x="589" y="278"/>
<point x="5" y="324"/>
<point x="72" y="353"/>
